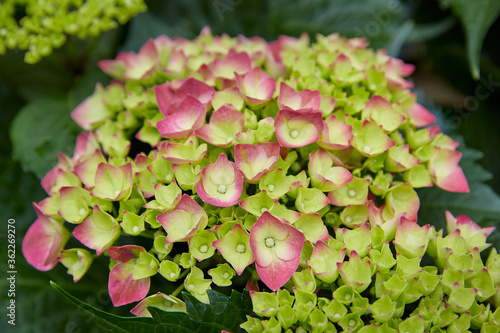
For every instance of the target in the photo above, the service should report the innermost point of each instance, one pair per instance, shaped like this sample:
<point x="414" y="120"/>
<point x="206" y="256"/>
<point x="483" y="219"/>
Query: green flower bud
<point x="356" y="272"/>
<point x="318" y="320"/>
<point x="304" y="280"/>
<point x="77" y="261"/>
<point x="284" y="297"/>
<point x="275" y="184"/>
<point x="395" y="286"/>
<point x="200" y="245"/>
<point x="383" y="259"/>
<point x="383" y="309"/>
<point x="351" y="322"/>
<point x="132" y="224"/>
<point x="286" y="316"/>
<point x="461" y="298"/>
<point x="479" y="314"/>
<point x="427" y="281"/>
<point x="161" y="245"/>
<point x="222" y="275"/>
<point x="335" y="311"/>
<point x="360" y="305"/>
<point x="186" y="260"/>
<point x="271" y="326"/>
<point x="354" y="215"/>
<point x="146" y="266"/>
<point x="169" y="270"/>
<point x="344" y="294"/>
<point x="304" y="303"/>
<point x="408" y="268"/>
<point x="197" y="285"/>
<point x="264" y="304"/>
<point x="310" y="200"/>
<point x="252" y="325"/>
<point x="413" y="324"/>
<point x="444" y="317"/>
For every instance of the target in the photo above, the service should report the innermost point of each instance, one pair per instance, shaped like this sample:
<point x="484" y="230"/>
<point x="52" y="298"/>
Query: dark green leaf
<point x="40" y="130"/>
<point x="223" y="313"/>
<point x="476" y="18"/>
<point x="106" y="321"/>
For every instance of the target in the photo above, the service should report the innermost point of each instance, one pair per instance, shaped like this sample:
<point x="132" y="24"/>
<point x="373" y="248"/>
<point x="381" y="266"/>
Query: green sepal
<point x="383" y="309"/>
<point x="264" y="304"/>
<point x="132" y="224"/>
<point x="146" y="266"/>
<point x="222" y="275"/>
<point x="304" y="280"/>
<point x="169" y="270"/>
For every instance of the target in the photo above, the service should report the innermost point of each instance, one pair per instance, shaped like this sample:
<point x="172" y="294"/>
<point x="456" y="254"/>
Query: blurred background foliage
<point x="453" y="44"/>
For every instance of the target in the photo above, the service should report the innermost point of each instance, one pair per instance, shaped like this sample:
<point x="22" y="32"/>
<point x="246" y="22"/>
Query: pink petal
<point x="336" y="134"/>
<point x="164" y="96"/>
<point x="221" y="173"/>
<point x="256" y="86"/>
<point x="44" y="241"/>
<point x="188" y="117"/>
<point x="86" y="144"/>
<point x="234" y="62"/>
<point x="123" y="289"/>
<point x="295" y="129"/>
<point x="420" y="116"/>
<point x="297" y="100"/>
<point x="224" y="124"/>
<point x="278" y="273"/>
<point x="256" y="160"/>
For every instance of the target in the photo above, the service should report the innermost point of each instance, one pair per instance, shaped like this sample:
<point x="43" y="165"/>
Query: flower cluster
<point x="47" y="23"/>
<point x="293" y="165"/>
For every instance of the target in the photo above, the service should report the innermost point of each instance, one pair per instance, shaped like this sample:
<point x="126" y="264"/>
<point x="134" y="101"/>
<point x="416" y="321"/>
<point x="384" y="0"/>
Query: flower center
<point x="81" y="211"/>
<point x="191" y="287"/>
<point x="203" y="248"/>
<point x="225" y="275"/>
<point x="270" y="242"/>
<point x="294" y="133"/>
<point x="351" y="193"/>
<point x="270" y="188"/>
<point x="352" y="323"/>
<point x="135" y="229"/>
<point x="348" y="219"/>
<point x="241" y="248"/>
<point x="222" y="189"/>
<point x="347" y="297"/>
<point x="367" y="149"/>
<point x="172" y="275"/>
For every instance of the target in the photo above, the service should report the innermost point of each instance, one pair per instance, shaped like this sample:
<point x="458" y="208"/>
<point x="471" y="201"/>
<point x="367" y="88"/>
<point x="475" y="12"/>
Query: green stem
<point x="178" y="290"/>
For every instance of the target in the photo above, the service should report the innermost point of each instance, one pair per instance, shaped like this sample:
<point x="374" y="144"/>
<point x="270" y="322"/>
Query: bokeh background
<point x="457" y="77"/>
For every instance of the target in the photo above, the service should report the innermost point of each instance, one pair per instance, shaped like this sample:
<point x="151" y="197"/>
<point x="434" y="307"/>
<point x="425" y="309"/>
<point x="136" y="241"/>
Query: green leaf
<point x="106" y="321"/>
<point x="223" y="313"/>
<point x="40" y="130"/>
<point x="476" y="18"/>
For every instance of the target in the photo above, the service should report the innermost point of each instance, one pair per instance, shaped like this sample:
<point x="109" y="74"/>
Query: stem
<point x="178" y="290"/>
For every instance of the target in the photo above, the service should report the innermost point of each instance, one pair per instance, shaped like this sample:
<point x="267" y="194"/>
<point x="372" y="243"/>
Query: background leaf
<point x="223" y="313"/>
<point x="106" y="321"/>
<point x="476" y="18"/>
<point x="40" y="130"/>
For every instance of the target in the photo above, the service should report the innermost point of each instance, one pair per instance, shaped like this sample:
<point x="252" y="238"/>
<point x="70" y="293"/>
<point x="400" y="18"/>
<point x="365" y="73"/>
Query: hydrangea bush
<point x="285" y="168"/>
